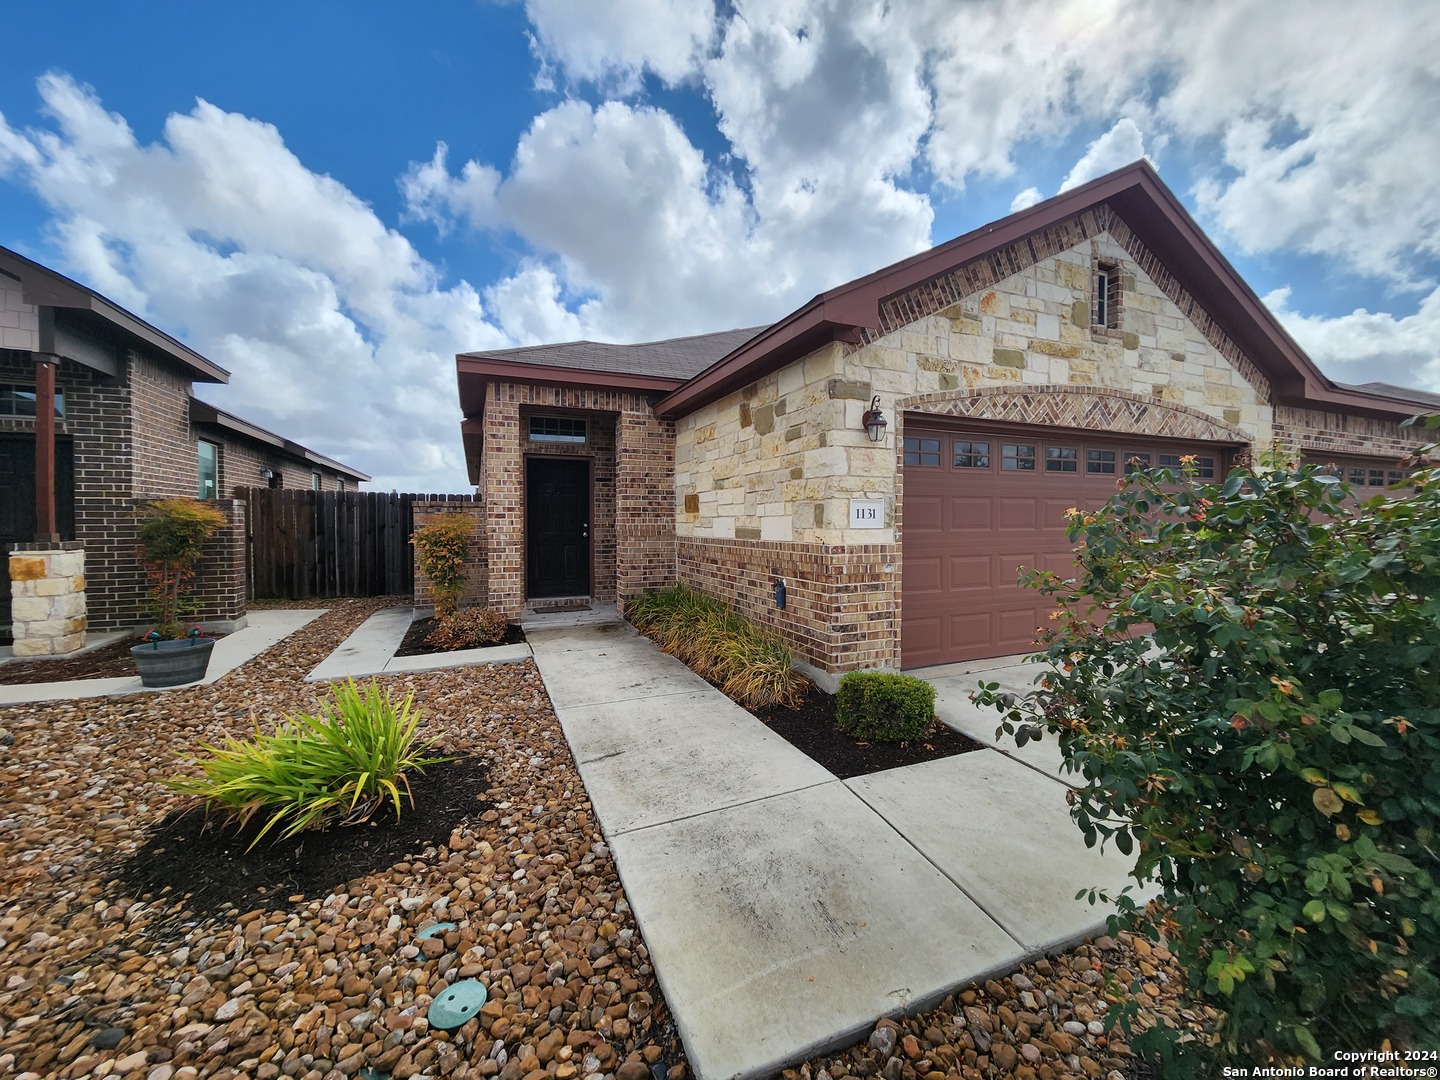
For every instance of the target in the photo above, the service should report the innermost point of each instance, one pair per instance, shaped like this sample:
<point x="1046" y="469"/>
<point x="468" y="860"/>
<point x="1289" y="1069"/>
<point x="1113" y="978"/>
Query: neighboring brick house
<point x="126" y="430"/>
<point x="1018" y="368"/>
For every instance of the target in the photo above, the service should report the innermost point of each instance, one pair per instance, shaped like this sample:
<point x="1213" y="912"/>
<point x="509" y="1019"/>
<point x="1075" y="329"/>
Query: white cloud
<point x="335" y="330"/>
<point x="655" y="242"/>
<point x="1119" y="146"/>
<point x="619" y="39"/>
<point x="1369" y="346"/>
<point x="1025" y="199"/>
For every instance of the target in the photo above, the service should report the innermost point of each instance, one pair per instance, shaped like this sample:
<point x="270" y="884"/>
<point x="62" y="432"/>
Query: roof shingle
<point x="673" y="358"/>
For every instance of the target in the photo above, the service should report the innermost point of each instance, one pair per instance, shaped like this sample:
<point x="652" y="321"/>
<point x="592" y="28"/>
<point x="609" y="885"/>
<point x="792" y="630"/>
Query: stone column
<point x="47" y="598"/>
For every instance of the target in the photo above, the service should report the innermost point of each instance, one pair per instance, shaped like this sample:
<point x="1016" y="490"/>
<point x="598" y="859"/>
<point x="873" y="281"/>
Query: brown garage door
<point x="981" y="502"/>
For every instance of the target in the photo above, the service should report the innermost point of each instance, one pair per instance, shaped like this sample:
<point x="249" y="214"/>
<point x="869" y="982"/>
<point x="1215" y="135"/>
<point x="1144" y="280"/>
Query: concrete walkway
<point x="370" y="650"/>
<point x="786" y="910"/>
<point x="262" y="629"/>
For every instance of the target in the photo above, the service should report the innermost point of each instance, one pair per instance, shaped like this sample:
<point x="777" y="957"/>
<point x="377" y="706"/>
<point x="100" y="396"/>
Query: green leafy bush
<point x="883" y="706"/>
<point x="1270" y="754"/>
<point x="338" y="768"/>
<point x="748" y="662"/>
<point x="468" y="629"/>
<point x="172" y="535"/>
<point x="442" y="548"/>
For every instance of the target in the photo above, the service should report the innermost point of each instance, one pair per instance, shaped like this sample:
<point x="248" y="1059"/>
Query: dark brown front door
<point x="17" y="504"/>
<point x="982" y="502"/>
<point x="557" y="527"/>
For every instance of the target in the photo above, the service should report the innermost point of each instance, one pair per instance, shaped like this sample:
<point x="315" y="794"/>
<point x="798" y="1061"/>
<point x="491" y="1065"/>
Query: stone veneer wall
<point x="639" y="551"/>
<point x="780" y="459"/>
<point x="47" y="588"/>
<point x="764" y="476"/>
<point x="476" y="586"/>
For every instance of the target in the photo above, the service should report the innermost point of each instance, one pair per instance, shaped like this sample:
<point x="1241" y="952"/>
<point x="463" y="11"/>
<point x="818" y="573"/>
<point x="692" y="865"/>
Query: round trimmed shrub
<point x="883" y="706"/>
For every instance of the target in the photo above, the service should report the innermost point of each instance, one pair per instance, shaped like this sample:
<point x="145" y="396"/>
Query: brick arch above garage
<point x="1083" y="408"/>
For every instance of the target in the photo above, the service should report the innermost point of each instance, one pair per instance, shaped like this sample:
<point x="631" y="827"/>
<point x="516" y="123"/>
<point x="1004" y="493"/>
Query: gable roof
<point x="44" y="287"/>
<point x="205" y="414"/>
<point x="1136" y="194"/>
<point x="651" y="365"/>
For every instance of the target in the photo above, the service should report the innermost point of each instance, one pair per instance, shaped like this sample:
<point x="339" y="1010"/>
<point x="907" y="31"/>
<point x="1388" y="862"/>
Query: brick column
<point x="504" y="502"/>
<point x="644" y="502"/>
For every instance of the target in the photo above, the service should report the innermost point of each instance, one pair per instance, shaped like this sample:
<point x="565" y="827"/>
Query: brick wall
<point x="241" y="462"/>
<point x="164" y="448"/>
<point x="116" y="473"/>
<point x="842" y="603"/>
<point x="1317" y="432"/>
<point x="476" y="588"/>
<point x="633" y="526"/>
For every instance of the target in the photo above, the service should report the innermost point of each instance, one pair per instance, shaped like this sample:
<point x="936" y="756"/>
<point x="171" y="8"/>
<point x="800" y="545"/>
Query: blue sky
<point x="332" y="199"/>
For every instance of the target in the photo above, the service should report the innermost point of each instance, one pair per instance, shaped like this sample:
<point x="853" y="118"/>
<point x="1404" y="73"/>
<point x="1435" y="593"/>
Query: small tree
<point x="172" y="535"/>
<point x="1270" y="752"/>
<point x="442" y="548"/>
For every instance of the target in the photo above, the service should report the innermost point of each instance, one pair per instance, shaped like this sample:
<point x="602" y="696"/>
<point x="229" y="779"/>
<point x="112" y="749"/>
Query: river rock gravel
<point x="94" y="982"/>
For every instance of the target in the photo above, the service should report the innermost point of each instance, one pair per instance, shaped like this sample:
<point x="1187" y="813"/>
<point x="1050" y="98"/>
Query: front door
<point x="557" y="527"/>
<point x="17" y="504"/>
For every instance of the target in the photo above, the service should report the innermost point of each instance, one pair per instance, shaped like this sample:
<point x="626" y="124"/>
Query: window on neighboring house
<point x="1107" y="296"/>
<point x="339" y="483"/>
<point x="557" y="429"/>
<point x="1061" y="459"/>
<point x="314" y="481"/>
<point x="208" y="485"/>
<point x="972" y="455"/>
<point x="1017" y="457"/>
<point x="18" y="399"/>
<point x="922" y="452"/>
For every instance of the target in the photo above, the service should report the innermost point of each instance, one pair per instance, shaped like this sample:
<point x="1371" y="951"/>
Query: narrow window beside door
<point x="209" y="478"/>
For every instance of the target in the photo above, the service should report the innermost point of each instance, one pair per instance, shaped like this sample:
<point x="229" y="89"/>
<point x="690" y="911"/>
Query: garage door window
<point x="1100" y="462"/>
<point x="922" y="452"/>
<point x="1205" y="468"/>
<point x="1017" y="457"/>
<point x="1061" y="459"/>
<point x="1135" y="461"/>
<point x="972" y="455"/>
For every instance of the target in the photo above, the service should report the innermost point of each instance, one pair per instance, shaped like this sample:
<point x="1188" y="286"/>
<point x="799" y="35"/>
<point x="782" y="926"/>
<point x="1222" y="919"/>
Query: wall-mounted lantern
<point x="874" y="420"/>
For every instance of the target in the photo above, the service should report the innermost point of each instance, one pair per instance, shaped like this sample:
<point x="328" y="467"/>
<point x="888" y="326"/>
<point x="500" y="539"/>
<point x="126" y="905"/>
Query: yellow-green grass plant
<point x="339" y="767"/>
<point x="748" y="662"/>
<point x="758" y="669"/>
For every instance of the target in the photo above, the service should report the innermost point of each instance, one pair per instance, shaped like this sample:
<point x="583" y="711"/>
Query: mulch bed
<point x="109" y="662"/>
<point x="414" y="643"/>
<point x="811" y="729"/>
<point x="210" y="863"/>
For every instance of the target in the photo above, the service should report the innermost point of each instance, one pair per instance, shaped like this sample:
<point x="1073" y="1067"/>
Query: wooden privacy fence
<point x="330" y="543"/>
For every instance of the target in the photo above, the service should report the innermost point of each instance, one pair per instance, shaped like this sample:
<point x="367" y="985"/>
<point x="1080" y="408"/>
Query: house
<point x="894" y="449"/>
<point x="123" y="427"/>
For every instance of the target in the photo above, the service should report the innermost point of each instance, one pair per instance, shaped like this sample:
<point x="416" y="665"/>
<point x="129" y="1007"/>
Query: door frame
<point x="588" y="460"/>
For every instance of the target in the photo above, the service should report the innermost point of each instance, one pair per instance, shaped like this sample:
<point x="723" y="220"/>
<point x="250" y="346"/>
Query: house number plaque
<point x="867" y="513"/>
